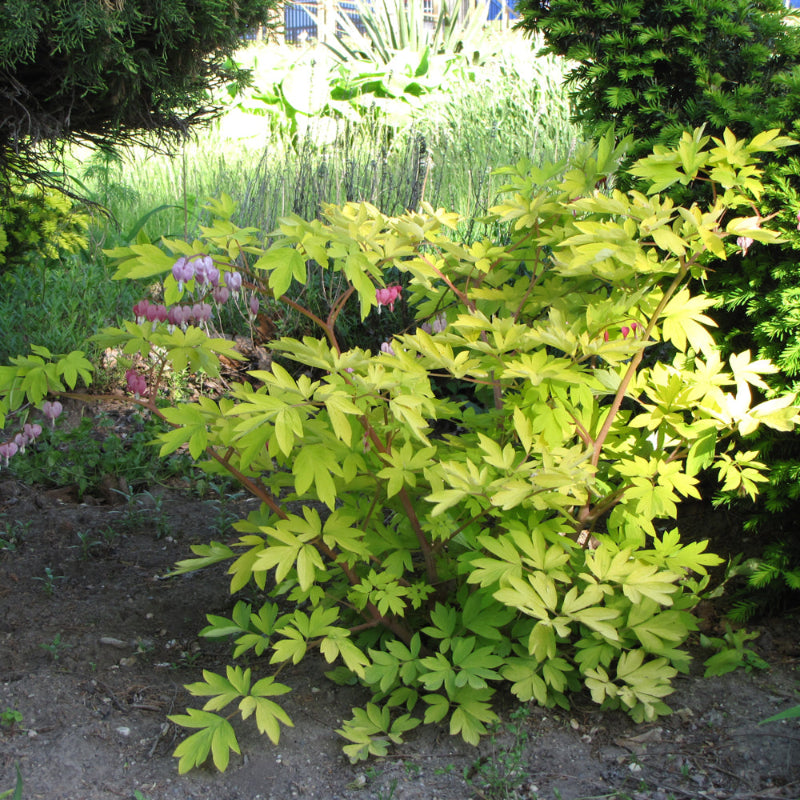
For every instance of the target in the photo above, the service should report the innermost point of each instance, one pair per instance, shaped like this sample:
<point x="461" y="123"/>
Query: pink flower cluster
<point x="137" y="384"/>
<point x="388" y="296"/>
<point x="31" y="431"/>
<point x="208" y="281"/>
<point x="177" y="316"/>
<point x="206" y="276"/>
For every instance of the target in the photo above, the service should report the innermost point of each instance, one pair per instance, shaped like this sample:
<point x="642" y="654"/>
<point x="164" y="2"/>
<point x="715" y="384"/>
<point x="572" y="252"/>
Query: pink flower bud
<point x="52" y="410"/>
<point x="625" y="330"/>
<point x="199" y="271"/>
<point x="744" y="242"/>
<point x="439" y="323"/>
<point x="32" y="430"/>
<point x="221" y="294"/>
<point x="212" y="275"/>
<point x="161" y="313"/>
<point x="254" y="305"/>
<point x="233" y="280"/>
<point x="798" y="220"/>
<point x="182" y="271"/>
<point x="387" y="348"/>
<point x="605" y="336"/>
<point x="7" y="450"/>
<point x="140" y="311"/>
<point x="137" y="384"/>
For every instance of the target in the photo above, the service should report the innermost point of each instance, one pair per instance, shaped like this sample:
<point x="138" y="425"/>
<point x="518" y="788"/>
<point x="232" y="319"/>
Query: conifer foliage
<point x="108" y="70"/>
<point x="654" y="69"/>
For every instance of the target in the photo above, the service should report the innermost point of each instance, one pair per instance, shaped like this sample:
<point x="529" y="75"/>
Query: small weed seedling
<point x="502" y="772"/>
<point x="731" y="652"/>
<point x="55" y="647"/>
<point x="13" y="534"/>
<point x="16" y="792"/>
<point x="10" y="718"/>
<point x="146" y="509"/>
<point x="389" y="794"/>
<point x="413" y="770"/>
<point x="49" y="581"/>
<point x="87" y="544"/>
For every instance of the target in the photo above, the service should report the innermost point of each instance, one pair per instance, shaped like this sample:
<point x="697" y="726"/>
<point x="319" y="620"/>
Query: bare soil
<point x="95" y="646"/>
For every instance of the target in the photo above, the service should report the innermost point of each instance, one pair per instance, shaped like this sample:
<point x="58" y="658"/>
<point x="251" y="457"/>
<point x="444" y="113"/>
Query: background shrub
<point x="655" y="69"/>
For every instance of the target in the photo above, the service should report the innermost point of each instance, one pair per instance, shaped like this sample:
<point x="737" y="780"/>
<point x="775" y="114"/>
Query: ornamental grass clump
<point x="473" y="505"/>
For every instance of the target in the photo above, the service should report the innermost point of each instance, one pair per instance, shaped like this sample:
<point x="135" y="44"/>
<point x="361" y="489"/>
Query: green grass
<point x="59" y="305"/>
<point x="514" y="107"/>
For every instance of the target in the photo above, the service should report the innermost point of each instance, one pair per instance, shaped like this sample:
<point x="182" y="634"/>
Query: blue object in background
<point x="300" y="25"/>
<point x="496" y="8"/>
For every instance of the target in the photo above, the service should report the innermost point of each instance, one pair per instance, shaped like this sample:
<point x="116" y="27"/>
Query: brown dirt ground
<point x="95" y="666"/>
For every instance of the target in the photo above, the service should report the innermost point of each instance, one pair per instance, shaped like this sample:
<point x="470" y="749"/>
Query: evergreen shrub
<point x="109" y="71"/>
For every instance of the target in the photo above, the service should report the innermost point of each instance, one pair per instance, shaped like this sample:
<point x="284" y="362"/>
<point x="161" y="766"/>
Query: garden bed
<point x="96" y="644"/>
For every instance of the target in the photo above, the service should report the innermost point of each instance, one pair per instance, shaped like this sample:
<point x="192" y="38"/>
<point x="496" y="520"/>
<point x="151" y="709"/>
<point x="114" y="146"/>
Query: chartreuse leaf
<point x="535" y="594"/>
<point x="526" y="682"/>
<point x="485" y="617"/>
<point x="300" y="628"/>
<point x="372" y="730"/>
<point x="474" y="665"/>
<point x="646" y="683"/>
<point x="216" y="736"/>
<point x="268" y="714"/>
<point x="253" y="631"/>
<point x="472" y="714"/>
<point x="445" y="623"/>
<point x="670" y="553"/>
<point x="191" y="428"/>
<point x="283" y="264"/>
<point x="145" y="261"/>
<point x="338" y="644"/>
<point x="291" y="547"/>
<point x="684" y="322"/>
<point x="208" y="554"/>
<point x="658" y="630"/>
<point x="73" y="365"/>
<point x="405" y="464"/>
<point x="316" y="464"/>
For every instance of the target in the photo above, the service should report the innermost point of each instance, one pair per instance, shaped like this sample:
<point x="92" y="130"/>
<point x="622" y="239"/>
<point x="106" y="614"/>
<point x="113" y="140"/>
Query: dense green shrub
<point x="452" y="543"/>
<point x="654" y="69"/>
